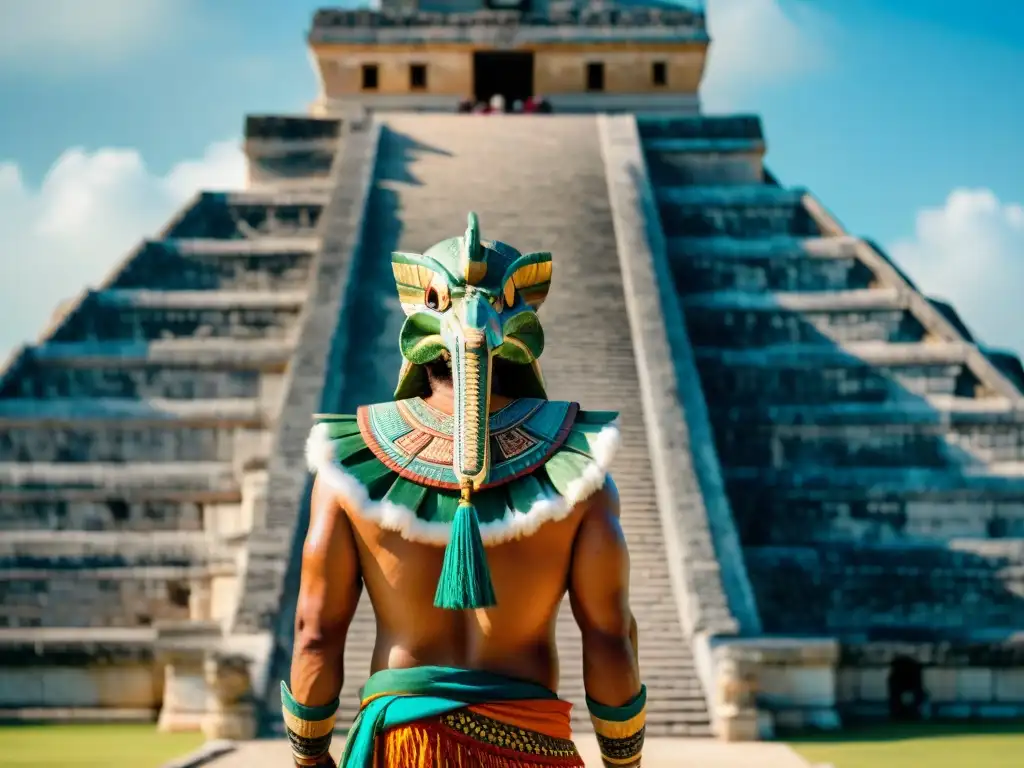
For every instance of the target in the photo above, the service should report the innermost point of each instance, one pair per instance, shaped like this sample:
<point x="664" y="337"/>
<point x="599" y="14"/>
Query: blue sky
<point x="900" y="116"/>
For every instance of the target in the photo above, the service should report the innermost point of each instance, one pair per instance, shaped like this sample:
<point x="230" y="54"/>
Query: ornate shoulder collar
<point x="416" y="441"/>
<point x="393" y="462"/>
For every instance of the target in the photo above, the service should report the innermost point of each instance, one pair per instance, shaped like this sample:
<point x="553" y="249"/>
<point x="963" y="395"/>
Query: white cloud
<point x="756" y="42"/>
<point x="88" y="213"/>
<point x="970" y="252"/>
<point x="53" y="34"/>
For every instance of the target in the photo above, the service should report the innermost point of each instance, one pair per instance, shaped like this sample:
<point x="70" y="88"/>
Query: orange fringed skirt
<point x="525" y="734"/>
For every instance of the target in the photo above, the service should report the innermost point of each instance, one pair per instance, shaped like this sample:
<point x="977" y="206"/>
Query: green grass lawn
<point x="91" y="746"/>
<point x="924" y="745"/>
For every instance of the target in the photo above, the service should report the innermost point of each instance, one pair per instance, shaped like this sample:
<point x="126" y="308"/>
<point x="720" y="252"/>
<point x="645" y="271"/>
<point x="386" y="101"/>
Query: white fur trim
<point x="394" y="517"/>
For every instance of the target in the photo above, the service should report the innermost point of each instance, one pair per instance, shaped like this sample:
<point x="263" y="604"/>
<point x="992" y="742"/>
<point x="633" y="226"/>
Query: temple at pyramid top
<point x="430" y="55"/>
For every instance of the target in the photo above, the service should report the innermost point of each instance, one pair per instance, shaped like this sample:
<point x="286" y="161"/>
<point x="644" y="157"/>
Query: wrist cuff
<point x="309" y="729"/>
<point x="620" y="730"/>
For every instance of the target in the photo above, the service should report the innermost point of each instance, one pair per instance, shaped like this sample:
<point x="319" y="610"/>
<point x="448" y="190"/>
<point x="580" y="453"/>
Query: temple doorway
<point x="509" y="73"/>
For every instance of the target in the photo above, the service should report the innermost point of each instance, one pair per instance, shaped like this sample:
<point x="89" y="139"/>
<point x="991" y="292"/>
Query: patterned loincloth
<point x="467" y="738"/>
<point x="439" y="717"/>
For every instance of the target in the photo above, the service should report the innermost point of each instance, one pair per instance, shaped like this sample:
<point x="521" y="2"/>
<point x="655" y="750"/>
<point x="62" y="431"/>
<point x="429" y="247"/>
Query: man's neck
<point x="442" y="398"/>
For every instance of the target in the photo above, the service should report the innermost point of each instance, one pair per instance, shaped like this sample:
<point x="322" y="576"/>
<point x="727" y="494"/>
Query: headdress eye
<point x="437" y="297"/>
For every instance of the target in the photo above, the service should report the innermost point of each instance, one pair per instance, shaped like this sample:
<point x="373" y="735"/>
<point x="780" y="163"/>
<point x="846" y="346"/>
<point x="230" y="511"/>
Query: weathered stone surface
<point x="135" y="436"/>
<point x="862" y="431"/>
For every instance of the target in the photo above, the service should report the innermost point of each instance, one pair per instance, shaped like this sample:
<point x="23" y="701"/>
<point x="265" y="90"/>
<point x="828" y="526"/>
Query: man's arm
<point x="599" y="595"/>
<point x="328" y="594"/>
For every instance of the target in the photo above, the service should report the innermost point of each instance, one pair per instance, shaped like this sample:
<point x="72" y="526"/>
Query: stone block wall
<point x="870" y="450"/>
<point x="961" y="678"/>
<point x="135" y="441"/>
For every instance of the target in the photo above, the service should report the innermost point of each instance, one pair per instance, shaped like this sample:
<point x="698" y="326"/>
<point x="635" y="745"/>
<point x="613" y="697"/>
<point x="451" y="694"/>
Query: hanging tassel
<point x="465" y="581"/>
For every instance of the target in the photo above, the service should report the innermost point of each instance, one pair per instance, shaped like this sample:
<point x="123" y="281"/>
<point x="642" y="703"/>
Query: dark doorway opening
<point x="907" y="696"/>
<point x="509" y="73"/>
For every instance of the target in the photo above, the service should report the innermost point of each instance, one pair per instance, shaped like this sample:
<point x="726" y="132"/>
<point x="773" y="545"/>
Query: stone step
<point x="201" y="265"/>
<point x="870" y="444"/>
<point x="892" y="510"/>
<point x="748" y="211"/>
<point x="292" y="128"/>
<point x="228" y="249"/>
<point x="782" y="264"/>
<point x="171" y="481"/>
<point x="223" y="413"/>
<point x="815" y="374"/>
<point x="250" y="214"/>
<point x="836" y="589"/>
<point x="144" y="316"/>
<point x="242" y="301"/>
<point x="740" y="319"/>
<point x="113" y="549"/>
<point x="678" y="161"/>
<point x="983" y="481"/>
<point x="95" y="442"/>
<point x="551" y="194"/>
<point x="863" y="300"/>
<point x="275" y="198"/>
<point x="61" y="510"/>
<point x="762" y="251"/>
<point x="36" y="379"/>
<point x="937" y="410"/>
<point x="714" y="127"/>
<point x="202" y="353"/>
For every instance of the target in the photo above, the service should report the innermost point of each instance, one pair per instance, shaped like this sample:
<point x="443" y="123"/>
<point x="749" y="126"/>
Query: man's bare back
<point x="584" y="554"/>
<point x="467" y="507"/>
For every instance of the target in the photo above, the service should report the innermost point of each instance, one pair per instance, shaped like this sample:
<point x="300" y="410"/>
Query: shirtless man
<point x="467" y="507"/>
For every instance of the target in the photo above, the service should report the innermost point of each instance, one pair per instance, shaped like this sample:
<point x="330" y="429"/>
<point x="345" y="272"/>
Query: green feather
<point x="324" y="418"/>
<point x="525" y="492"/>
<point x="339" y="429"/>
<point x="368" y="472"/>
<point x="578" y="442"/>
<point x="406" y="493"/>
<point x="490" y="505"/>
<point x="439" y="506"/>
<point x="465" y="581"/>
<point x="564" y="467"/>
<point x="347" y="447"/>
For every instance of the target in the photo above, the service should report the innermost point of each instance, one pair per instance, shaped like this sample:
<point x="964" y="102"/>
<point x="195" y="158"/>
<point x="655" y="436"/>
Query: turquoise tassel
<point x="465" y="581"/>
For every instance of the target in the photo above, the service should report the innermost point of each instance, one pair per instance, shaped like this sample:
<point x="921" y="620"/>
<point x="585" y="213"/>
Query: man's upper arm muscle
<point x="328" y="595"/>
<point x="599" y="595"/>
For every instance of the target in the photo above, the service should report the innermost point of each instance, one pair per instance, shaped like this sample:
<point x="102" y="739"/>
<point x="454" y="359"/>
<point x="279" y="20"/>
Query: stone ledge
<point x="228" y="412"/>
<point x="859" y="300"/>
<point x="116" y="547"/>
<point x="850" y="354"/>
<point x="674" y="413"/>
<point x="271" y="197"/>
<point x="738" y="195"/>
<point x="763" y="248"/>
<point x="669" y="146"/>
<point x="291" y="127"/>
<point x="75" y="647"/>
<point x="996" y="649"/>
<point x="211" y="353"/>
<point x="264" y="246"/>
<point x="141" y="298"/>
<point x="1004" y="479"/>
<point x="747" y="127"/>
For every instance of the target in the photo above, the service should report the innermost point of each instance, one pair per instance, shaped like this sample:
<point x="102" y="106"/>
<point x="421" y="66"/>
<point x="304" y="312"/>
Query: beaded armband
<point x="309" y="728"/>
<point x="620" y="730"/>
